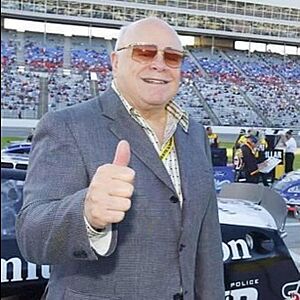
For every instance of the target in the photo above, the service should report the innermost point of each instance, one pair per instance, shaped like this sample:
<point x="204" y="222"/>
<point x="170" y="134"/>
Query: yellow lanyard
<point x="166" y="150"/>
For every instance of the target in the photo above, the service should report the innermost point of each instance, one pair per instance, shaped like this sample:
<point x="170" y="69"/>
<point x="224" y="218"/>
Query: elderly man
<point x="119" y="197"/>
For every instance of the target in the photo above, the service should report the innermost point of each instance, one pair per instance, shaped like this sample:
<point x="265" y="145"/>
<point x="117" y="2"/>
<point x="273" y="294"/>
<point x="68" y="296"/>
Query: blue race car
<point x="17" y="148"/>
<point x="289" y="188"/>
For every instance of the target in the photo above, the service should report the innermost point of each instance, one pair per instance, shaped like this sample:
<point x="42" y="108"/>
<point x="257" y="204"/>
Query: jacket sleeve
<point x="50" y="227"/>
<point x="209" y="262"/>
<point x="207" y="148"/>
<point x="209" y="271"/>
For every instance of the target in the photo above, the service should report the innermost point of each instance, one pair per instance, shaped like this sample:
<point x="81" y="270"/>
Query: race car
<point x="289" y="188"/>
<point x="257" y="263"/>
<point x="14" y="161"/>
<point x="252" y="221"/>
<point x="17" y="148"/>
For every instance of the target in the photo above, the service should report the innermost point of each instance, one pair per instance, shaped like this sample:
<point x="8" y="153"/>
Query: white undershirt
<point x="291" y="145"/>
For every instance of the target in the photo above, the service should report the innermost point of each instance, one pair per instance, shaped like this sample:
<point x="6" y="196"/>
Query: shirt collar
<point x="179" y="114"/>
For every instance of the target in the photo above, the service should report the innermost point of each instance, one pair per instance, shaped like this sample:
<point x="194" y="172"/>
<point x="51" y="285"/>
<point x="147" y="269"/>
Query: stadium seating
<point x="220" y="87"/>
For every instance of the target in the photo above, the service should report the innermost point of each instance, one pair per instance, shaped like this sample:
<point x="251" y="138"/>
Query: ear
<point x="114" y="61"/>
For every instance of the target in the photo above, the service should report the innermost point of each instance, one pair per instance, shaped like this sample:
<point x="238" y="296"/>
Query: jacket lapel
<point x="124" y="127"/>
<point x="195" y="173"/>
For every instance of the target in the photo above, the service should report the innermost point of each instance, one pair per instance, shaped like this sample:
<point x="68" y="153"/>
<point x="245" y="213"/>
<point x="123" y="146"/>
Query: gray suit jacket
<point x="160" y="247"/>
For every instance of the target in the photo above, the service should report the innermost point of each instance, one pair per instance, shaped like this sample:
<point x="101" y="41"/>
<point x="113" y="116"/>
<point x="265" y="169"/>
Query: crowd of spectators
<point x="19" y="93"/>
<point x="287" y="67"/>
<point x="253" y="67"/>
<point x="274" y="103"/>
<point x="67" y="90"/>
<point x="42" y="54"/>
<point x="218" y="87"/>
<point x="217" y="66"/>
<point x="49" y="58"/>
<point x="251" y="89"/>
<point x="20" y="87"/>
<point x="189" y="70"/>
<point x="228" y="104"/>
<point x="8" y="51"/>
<point x="188" y="98"/>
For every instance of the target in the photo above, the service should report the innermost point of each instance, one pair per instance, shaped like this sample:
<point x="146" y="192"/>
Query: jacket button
<point x="174" y="199"/>
<point x="181" y="246"/>
<point x="178" y="296"/>
<point x="80" y="254"/>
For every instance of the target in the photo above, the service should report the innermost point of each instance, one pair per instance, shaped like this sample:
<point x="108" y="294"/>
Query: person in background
<point x="236" y="155"/>
<point x="30" y="136"/>
<point x="119" y="196"/>
<point x="240" y="140"/>
<point x="260" y="155"/>
<point x="250" y="167"/>
<point x="290" y="145"/>
<point x="212" y="137"/>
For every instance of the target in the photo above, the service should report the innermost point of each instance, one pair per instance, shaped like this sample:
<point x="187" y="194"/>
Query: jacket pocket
<point x="75" y="295"/>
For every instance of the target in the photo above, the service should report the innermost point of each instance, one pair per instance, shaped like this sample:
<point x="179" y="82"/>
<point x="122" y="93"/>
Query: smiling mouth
<point x="155" y="81"/>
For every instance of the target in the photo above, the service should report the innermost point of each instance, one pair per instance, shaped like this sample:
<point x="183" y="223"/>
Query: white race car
<point x="257" y="263"/>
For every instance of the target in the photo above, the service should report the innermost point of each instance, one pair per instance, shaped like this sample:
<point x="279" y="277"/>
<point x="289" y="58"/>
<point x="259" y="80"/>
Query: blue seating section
<point x="220" y="87"/>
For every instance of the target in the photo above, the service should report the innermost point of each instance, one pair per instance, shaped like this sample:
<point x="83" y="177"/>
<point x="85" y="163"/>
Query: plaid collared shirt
<point x="175" y="116"/>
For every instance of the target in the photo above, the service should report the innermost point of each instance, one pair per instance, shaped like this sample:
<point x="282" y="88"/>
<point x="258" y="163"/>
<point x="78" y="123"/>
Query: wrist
<point x="91" y="230"/>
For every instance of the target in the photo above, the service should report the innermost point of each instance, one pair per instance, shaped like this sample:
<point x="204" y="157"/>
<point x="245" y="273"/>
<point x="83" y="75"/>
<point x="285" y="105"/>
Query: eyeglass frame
<point x="182" y="52"/>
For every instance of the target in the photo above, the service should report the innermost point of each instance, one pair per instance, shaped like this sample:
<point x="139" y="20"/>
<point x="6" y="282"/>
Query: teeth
<point x="155" y="81"/>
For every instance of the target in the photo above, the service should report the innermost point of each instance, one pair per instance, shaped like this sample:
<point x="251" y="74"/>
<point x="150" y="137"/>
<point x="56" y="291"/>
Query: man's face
<point x="152" y="84"/>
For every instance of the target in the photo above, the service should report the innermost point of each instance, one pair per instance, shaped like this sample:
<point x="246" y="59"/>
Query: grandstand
<point x="220" y="84"/>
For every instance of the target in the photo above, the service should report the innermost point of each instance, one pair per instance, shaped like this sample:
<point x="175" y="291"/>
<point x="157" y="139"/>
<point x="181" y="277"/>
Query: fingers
<point x="122" y="154"/>
<point x="118" y="204"/>
<point x="111" y="217"/>
<point x="107" y="210"/>
<point x="120" y="188"/>
<point x="114" y="216"/>
<point x="110" y="171"/>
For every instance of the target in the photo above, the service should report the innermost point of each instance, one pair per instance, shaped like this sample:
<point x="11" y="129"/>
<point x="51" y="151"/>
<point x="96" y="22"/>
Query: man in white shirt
<point x="290" y="150"/>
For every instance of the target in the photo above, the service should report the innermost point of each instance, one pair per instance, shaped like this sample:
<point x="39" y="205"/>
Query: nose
<point x="158" y="62"/>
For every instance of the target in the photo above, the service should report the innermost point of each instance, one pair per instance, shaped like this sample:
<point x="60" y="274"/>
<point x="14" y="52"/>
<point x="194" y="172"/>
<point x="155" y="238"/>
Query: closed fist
<point x="109" y="194"/>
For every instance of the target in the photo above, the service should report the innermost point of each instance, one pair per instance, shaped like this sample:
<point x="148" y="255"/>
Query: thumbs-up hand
<point x="109" y="193"/>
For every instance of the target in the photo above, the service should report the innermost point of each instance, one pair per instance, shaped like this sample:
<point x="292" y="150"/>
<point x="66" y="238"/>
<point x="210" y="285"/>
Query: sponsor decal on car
<point x="243" y="289"/>
<point x="236" y="250"/>
<point x="244" y="283"/>
<point x="219" y="183"/>
<point x="291" y="290"/>
<point x="249" y="293"/>
<point x="33" y="272"/>
<point x="222" y="175"/>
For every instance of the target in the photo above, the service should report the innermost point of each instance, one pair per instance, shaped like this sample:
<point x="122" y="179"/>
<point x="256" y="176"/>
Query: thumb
<point x="122" y="154"/>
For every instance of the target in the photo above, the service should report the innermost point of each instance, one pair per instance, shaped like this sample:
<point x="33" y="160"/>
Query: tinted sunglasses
<point x="144" y="54"/>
